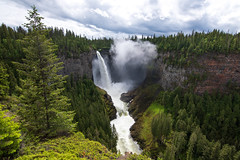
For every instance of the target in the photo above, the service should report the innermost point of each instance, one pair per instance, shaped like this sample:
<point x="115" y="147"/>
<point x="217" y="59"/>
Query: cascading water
<point x="124" y="121"/>
<point x="105" y="78"/>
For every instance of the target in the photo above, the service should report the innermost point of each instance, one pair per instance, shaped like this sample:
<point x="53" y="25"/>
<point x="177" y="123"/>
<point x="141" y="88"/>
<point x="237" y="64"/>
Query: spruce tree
<point x="44" y="110"/>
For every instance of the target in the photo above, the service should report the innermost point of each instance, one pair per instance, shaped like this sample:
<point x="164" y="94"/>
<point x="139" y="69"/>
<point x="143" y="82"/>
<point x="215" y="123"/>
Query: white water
<point x="105" y="78"/>
<point x="124" y="121"/>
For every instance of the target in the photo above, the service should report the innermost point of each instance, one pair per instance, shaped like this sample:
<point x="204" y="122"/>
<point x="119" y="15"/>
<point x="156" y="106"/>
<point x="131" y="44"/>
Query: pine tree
<point x="44" y="109"/>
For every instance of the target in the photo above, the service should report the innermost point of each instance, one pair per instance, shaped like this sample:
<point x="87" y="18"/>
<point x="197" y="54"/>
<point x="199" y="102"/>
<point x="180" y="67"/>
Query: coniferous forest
<point x="44" y="114"/>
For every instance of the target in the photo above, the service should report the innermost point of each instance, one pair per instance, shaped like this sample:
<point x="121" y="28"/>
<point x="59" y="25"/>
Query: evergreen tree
<point x="176" y="104"/>
<point x="4" y="84"/>
<point x="161" y="126"/>
<point x="44" y="110"/>
<point x="9" y="135"/>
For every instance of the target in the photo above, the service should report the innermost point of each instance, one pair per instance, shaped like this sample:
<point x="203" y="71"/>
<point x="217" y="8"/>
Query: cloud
<point x="130" y="59"/>
<point x="101" y="12"/>
<point x="12" y="13"/>
<point x="129" y="16"/>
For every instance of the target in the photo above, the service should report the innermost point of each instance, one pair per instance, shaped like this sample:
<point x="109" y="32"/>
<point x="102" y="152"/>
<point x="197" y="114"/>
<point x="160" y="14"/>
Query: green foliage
<point x="161" y="126"/>
<point x="10" y="47"/>
<point x="184" y="48"/>
<point x="4" y="84"/>
<point x="205" y="126"/>
<point x="9" y="135"/>
<point x="72" y="147"/>
<point x="137" y="157"/>
<point x="43" y="110"/>
<point x="71" y="45"/>
<point x="227" y="152"/>
<point x="91" y="115"/>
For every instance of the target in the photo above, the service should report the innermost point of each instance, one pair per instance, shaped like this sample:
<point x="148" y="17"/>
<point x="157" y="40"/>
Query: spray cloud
<point x="130" y="60"/>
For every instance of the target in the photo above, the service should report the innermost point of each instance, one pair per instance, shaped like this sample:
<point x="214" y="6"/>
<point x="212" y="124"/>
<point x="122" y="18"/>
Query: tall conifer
<point x="44" y="109"/>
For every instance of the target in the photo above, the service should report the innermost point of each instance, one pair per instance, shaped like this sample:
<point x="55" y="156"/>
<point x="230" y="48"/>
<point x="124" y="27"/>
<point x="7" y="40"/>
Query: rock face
<point x="127" y="97"/>
<point x="79" y="67"/>
<point x="168" y="77"/>
<point x="223" y="73"/>
<point x="220" y="71"/>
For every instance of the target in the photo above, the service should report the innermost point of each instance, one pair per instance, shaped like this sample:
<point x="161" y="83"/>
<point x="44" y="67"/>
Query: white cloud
<point x="128" y="16"/>
<point x="12" y="13"/>
<point x="85" y="30"/>
<point x="224" y="14"/>
<point x="101" y="12"/>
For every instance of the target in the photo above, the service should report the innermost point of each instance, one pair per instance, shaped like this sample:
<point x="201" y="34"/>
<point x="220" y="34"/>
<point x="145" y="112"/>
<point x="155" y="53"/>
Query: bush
<point x="9" y="135"/>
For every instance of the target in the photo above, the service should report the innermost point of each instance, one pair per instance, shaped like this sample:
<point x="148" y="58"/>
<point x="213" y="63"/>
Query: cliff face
<point x="223" y="73"/>
<point x="168" y="77"/>
<point x="79" y="67"/>
<point x="217" y="73"/>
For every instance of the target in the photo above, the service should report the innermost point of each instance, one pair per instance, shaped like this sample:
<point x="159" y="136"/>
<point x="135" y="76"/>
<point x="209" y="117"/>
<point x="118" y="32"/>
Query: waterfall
<point x="105" y="78"/>
<point x="124" y="121"/>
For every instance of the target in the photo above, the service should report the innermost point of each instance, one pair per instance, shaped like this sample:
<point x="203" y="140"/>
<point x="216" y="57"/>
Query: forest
<point x="39" y="106"/>
<point x="200" y="127"/>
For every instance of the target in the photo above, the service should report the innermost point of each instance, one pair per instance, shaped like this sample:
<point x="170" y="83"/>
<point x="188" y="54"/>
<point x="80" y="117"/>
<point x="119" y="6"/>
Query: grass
<point x="155" y="108"/>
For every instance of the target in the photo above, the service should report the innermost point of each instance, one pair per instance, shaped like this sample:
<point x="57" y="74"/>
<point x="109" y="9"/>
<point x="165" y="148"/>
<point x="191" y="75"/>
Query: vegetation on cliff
<point x="91" y="111"/>
<point x="182" y="49"/>
<point x="203" y="126"/>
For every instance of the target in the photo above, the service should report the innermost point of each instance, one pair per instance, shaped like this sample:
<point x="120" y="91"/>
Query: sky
<point x="120" y="18"/>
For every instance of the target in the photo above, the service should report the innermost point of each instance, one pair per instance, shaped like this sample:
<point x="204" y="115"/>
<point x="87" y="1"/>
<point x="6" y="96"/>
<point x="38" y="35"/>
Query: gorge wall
<point x="79" y="67"/>
<point x="223" y="73"/>
<point x="210" y="72"/>
<point x="216" y="71"/>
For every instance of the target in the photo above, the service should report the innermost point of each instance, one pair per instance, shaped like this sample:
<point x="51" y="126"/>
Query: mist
<point x="130" y="59"/>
